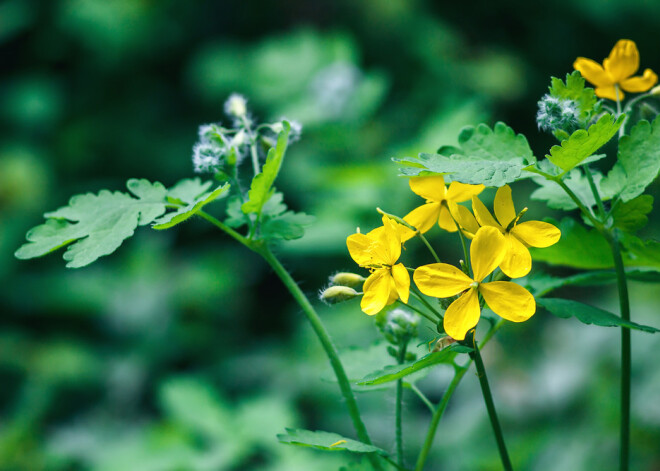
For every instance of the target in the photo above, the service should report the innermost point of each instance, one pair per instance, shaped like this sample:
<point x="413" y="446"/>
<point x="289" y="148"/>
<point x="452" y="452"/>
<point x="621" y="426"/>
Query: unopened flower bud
<point x="346" y="279"/>
<point x="337" y="294"/>
<point x="236" y="106"/>
<point x="655" y="90"/>
<point x="399" y="326"/>
<point x="557" y="114"/>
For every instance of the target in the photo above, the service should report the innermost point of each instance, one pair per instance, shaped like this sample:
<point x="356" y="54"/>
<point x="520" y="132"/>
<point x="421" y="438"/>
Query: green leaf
<point x="583" y="144"/>
<point x="261" y="188"/>
<point x="586" y="314"/>
<point x="541" y="283"/>
<point x="288" y="225"/>
<point x="631" y="215"/>
<point x="186" y="212"/>
<point x="638" y="161"/>
<point x="490" y="157"/>
<point x="574" y="89"/>
<point x="100" y="223"/>
<point x="394" y="372"/>
<point x="188" y="190"/>
<point x="326" y="441"/>
<point x="556" y="198"/>
<point x="638" y="252"/>
<point x="235" y="216"/>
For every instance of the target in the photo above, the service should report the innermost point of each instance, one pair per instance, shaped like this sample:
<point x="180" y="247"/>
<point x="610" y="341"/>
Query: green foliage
<point x="326" y="441"/>
<point x="193" y="207"/>
<point x="100" y="223"/>
<point x="586" y="314"/>
<point x="555" y="196"/>
<point x="261" y="188"/>
<point x="541" y="283"/>
<point x="574" y="89"/>
<point x="583" y="143"/>
<point x="394" y="372"/>
<point x="490" y="157"/>
<point x="638" y="161"/>
<point x="631" y="215"/>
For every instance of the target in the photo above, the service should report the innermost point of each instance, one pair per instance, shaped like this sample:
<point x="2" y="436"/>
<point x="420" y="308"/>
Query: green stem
<point x="618" y="111"/>
<point x="420" y="296"/>
<point x="428" y="246"/>
<point x="422" y="397"/>
<point x="594" y="191"/>
<point x="439" y="411"/>
<point x="490" y="405"/>
<point x="578" y="203"/>
<point x="399" y="408"/>
<point x="419" y="311"/>
<point x="226" y="229"/>
<point x="624" y="306"/>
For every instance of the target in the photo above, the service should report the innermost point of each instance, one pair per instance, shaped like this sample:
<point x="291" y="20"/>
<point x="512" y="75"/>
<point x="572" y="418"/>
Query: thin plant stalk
<point x="399" y="407"/>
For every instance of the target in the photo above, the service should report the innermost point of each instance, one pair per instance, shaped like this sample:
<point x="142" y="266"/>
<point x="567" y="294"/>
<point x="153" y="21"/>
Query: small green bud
<point x="392" y="351"/>
<point x="337" y="294"/>
<point x="346" y="279"/>
<point x="655" y="90"/>
<point x="399" y="326"/>
<point x="236" y="106"/>
<point x="410" y="356"/>
<point x="558" y="114"/>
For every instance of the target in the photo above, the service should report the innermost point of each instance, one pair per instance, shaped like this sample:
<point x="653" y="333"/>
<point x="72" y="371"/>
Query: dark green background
<point x="182" y="351"/>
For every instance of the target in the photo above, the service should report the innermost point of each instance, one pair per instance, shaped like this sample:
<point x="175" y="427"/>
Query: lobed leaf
<point x="288" y="225"/>
<point x="541" y="284"/>
<point x="574" y="89"/>
<point x="394" y="372"/>
<point x="490" y="157"/>
<point x="583" y="143"/>
<point x="631" y="216"/>
<point x="186" y="212"/>
<point x="261" y="188"/>
<point x="638" y="161"/>
<point x="586" y="314"/>
<point x="188" y="190"/>
<point x="94" y="225"/>
<point x="326" y="441"/>
<point x="556" y="198"/>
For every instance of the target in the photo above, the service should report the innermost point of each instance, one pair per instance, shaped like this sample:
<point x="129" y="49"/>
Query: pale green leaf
<point x="288" y="225"/>
<point x="540" y="284"/>
<point x="584" y="143"/>
<point x="261" y="188"/>
<point x="326" y="441"/>
<point x="188" y="190"/>
<point x="638" y="161"/>
<point x="586" y="314"/>
<point x="95" y="225"/>
<point x="631" y="216"/>
<point x="490" y="157"/>
<point x="555" y="196"/>
<point x="574" y="89"/>
<point x="176" y="217"/>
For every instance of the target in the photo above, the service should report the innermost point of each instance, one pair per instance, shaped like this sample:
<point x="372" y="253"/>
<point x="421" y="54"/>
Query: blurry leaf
<point x="394" y="372"/>
<point x="326" y="441"/>
<point x="175" y="217"/>
<point x="261" y="187"/>
<point x="287" y="226"/>
<point x="556" y="198"/>
<point x="102" y="223"/>
<point x="489" y="157"/>
<point x="578" y="247"/>
<point x="574" y="89"/>
<point x="541" y="283"/>
<point x="188" y="190"/>
<point x="631" y="215"/>
<point x="640" y="252"/>
<point x="586" y="314"/>
<point x="583" y="143"/>
<point x="638" y="161"/>
<point x="235" y="217"/>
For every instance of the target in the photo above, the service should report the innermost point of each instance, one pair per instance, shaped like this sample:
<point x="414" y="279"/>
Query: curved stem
<point x="490" y="404"/>
<point x="399" y="408"/>
<point x="624" y="306"/>
<point x="618" y="111"/>
<point x="578" y="203"/>
<point x="328" y="346"/>
<point x="419" y="311"/>
<point x="428" y="246"/>
<point x="420" y="296"/>
<point x="422" y="396"/>
<point x="594" y="191"/>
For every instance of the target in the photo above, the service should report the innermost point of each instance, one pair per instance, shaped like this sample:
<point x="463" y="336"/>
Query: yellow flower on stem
<point x="507" y="299"/>
<point x="517" y="261"/>
<point x="616" y="72"/>
<point x="439" y="201"/>
<point x="379" y="251"/>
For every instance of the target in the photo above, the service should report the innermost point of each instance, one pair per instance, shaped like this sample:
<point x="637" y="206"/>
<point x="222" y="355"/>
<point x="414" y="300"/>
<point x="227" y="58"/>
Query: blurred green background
<point x="182" y="351"/>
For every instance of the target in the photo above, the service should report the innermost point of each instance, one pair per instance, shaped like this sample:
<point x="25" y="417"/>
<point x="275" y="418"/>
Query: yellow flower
<point x="617" y="71"/>
<point x="379" y="251"/>
<point x="507" y="299"/>
<point x="439" y="201"/>
<point x="517" y="260"/>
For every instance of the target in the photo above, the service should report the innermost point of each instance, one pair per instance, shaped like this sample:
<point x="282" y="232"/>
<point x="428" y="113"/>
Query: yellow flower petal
<point x="640" y="84"/>
<point x="517" y="262"/>
<point x="431" y="188"/>
<point x="487" y="251"/>
<point x="424" y="217"/>
<point x="465" y="219"/>
<point x="609" y="92"/>
<point x="503" y="206"/>
<point x="394" y="295"/>
<point x="401" y="281"/>
<point x="593" y="72"/>
<point x="508" y="300"/>
<point x="387" y="249"/>
<point x="445" y="220"/>
<point x="358" y="246"/>
<point x="482" y="214"/>
<point x="441" y="280"/>
<point x="376" y="291"/>
<point x="459" y="192"/>
<point x="537" y="233"/>
<point x="462" y="315"/>
<point x="623" y="61"/>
